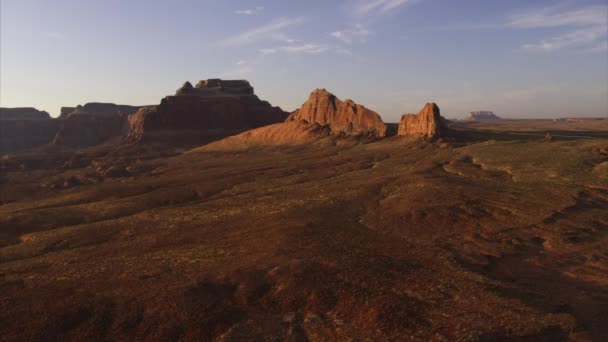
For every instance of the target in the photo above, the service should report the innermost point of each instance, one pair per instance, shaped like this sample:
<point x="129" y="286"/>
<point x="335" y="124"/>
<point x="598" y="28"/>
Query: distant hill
<point x="481" y="116"/>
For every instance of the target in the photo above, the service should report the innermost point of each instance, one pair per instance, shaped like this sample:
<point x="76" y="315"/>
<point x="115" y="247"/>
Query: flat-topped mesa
<point x="343" y="117"/>
<point x="482" y="116"/>
<point x="216" y="87"/>
<point x="92" y="123"/>
<point x="23" y="113"/>
<point x="428" y="123"/>
<point x="23" y="128"/>
<point x="211" y="110"/>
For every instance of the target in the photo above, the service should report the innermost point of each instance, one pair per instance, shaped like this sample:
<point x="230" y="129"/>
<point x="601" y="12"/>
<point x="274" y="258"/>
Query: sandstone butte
<point x="211" y="110"/>
<point x="342" y="117"/>
<point x="428" y="123"/>
<point x="322" y="115"/>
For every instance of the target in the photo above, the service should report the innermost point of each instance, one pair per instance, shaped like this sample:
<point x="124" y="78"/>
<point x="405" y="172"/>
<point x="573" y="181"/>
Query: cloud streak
<point x="306" y="48"/>
<point x="572" y="39"/>
<point x="55" y="35"/>
<point x="379" y="6"/>
<point x="251" y="11"/>
<point x="546" y="18"/>
<point x="358" y="33"/>
<point x="270" y="31"/>
<point x="583" y="27"/>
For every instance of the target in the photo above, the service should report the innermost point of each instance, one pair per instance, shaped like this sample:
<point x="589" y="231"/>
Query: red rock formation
<point x="23" y="128"/>
<point x="428" y="123"/>
<point x="92" y="124"/>
<point x="286" y="133"/>
<point x="212" y="110"/>
<point x="343" y="117"/>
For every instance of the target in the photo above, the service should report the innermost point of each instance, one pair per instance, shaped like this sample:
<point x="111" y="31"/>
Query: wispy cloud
<point x="55" y="35"/>
<point x="250" y="11"/>
<point x="583" y="27"/>
<point x="309" y="48"/>
<point x="358" y="33"/>
<point x="379" y="6"/>
<point x="306" y="48"/>
<point x="600" y="47"/>
<point x="571" y="39"/>
<point x="268" y="51"/>
<point x="530" y="93"/>
<point x="241" y="68"/>
<point x="270" y="31"/>
<point x="593" y="15"/>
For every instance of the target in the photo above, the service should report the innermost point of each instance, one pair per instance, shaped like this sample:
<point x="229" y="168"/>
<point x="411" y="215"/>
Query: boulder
<point x="428" y="123"/>
<point x="212" y="110"/>
<point x="342" y="117"/>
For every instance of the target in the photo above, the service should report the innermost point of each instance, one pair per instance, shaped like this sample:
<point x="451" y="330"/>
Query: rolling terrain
<point x="491" y="233"/>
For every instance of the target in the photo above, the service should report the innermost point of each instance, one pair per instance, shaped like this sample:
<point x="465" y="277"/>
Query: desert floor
<point x="490" y="234"/>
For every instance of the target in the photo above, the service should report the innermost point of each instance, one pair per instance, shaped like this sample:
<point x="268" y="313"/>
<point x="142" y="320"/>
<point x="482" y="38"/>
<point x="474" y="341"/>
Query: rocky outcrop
<point x="342" y="117"/>
<point x="23" y="113"/>
<point x="482" y="116"/>
<point x="92" y="124"/>
<point x="23" y="128"/>
<point x="428" y="123"/>
<point x="211" y="110"/>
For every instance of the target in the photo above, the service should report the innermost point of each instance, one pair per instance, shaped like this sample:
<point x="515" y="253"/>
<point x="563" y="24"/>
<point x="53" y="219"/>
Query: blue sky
<point x="519" y="58"/>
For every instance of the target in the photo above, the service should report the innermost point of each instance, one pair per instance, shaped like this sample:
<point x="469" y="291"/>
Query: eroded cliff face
<point x="343" y="117"/>
<point x="428" y="123"/>
<point x="211" y="110"/>
<point x="23" y="113"/>
<point x="92" y="124"/>
<point x="22" y="128"/>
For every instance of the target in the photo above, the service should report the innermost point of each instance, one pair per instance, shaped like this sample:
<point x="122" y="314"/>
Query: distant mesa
<point x="92" y="123"/>
<point x="428" y="123"/>
<point x="343" y="117"/>
<point x="80" y="126"/>
<point x="23" y="128"/>
<point x="211" y="110"/>
<point x="482" y="116"/>
<point x="98" y="109"/>
<point x="23" y="113"/>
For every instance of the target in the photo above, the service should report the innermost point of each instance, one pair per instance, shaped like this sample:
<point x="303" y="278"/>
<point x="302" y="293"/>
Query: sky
<point x="518" y="58"/>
